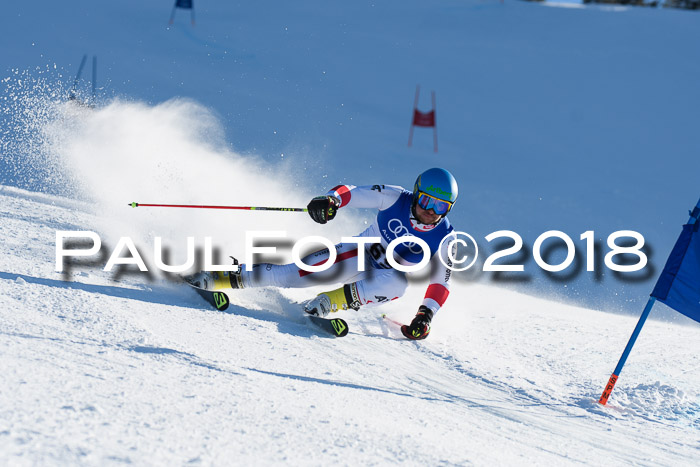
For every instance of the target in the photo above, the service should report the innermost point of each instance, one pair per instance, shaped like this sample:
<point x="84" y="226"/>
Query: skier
<point x="421" y="213"/>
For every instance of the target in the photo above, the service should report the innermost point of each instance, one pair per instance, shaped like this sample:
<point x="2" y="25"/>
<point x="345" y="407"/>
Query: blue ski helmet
<point x="440" y="187"/>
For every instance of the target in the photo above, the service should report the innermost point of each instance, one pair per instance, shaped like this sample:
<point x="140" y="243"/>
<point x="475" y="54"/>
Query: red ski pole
<point x="384" y="316"/>
<point x="192" y="206"/>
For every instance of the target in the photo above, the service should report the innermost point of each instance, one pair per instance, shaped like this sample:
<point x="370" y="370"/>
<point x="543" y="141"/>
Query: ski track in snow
<point x="104" y="371"/>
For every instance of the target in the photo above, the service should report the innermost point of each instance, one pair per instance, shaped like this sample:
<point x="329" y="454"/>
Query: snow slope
<point x="551" y="118"/>
<point x="101" y="369"/>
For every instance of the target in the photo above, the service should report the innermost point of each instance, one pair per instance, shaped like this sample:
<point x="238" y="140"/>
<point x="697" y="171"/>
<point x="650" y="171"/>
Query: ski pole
<point x="391" y="320"/>
<point x="245" y="208"/>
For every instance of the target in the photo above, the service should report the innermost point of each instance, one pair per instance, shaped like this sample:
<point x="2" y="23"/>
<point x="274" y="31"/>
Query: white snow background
<point x="572" y="119"/>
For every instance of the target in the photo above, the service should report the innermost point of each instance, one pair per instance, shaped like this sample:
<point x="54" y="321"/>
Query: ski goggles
<point x="438" y="206"/>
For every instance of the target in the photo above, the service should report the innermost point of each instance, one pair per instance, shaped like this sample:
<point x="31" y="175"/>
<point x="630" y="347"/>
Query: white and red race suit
<point x="379" y="282"/>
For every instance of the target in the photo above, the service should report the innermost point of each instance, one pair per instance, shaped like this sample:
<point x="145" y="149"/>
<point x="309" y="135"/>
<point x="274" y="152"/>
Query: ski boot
<point x="330" y="302"/>
<point x="217" y="280"/>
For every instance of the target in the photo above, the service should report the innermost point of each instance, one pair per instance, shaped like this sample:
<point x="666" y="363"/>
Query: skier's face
<point x="426" y="217"/>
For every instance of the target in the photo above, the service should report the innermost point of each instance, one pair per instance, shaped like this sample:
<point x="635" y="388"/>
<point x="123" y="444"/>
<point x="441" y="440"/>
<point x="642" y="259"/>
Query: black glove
<point x="323" y="208"/>
<point x="420" y="326"/>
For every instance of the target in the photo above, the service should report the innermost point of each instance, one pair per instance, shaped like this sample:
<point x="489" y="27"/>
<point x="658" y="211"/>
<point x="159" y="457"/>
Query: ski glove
<point x="323" y="208"/>
<point x="420" y="326"/>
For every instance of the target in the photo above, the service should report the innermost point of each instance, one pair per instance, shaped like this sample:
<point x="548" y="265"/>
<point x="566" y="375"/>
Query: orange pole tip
<point x="608" y="389"/>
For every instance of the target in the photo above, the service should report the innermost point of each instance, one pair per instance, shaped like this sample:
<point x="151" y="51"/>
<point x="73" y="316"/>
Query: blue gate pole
<point x="633" y="338"/>
<point x="694" y="214"/>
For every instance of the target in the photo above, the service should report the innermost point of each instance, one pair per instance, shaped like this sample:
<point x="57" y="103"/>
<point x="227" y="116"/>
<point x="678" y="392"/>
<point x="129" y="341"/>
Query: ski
<point x="217" y="299"/>
<point x="335" y="326"/>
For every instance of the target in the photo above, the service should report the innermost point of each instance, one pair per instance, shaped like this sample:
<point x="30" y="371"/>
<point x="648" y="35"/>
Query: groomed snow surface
<point x="103" y="370"/>
<point x="572" y="119"/>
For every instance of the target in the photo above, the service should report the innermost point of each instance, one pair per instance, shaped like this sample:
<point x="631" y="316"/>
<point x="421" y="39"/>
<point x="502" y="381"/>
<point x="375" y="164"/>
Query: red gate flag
<point x="423" y="119"/>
